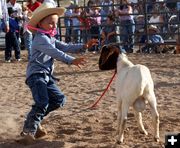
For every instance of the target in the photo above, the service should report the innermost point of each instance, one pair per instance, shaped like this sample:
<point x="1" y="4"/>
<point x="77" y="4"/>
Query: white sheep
<point x="134" y="86"/>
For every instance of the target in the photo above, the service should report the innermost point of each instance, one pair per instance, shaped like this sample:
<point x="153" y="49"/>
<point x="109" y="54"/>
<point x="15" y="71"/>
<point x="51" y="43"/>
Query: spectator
<point x="85" y="25"/>
<point x="4" y="16"/>
<point x="127" y="25"/>
<point x="11" y="40"/>
<point x="140" y="26"/>
<point x="17" y="8"/>
<point x="165" y="14"/>
<point x="68" y="22"/>
<point x="106" y="9"/>
<point x="95" y="20"/>
<point x="31" y="6"/>
<point x="153" y="41"/>
<point x="108" y="34"/>
<point x="76" y="24"/>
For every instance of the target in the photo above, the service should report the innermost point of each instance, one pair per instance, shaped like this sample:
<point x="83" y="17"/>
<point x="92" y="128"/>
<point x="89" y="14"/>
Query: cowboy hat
<point x="139" y="16"/>
<point x="153" y="27"/>
<point x="41" y="12"/>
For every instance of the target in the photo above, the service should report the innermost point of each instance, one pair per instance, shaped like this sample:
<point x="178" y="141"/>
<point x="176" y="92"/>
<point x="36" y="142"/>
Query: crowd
<point x="124" y="22"/>
<point x="131" y="19"/>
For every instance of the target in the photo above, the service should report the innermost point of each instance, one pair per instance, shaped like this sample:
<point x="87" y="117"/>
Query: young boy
<point x="11" y="38"/>
<point x="45" y="48"/>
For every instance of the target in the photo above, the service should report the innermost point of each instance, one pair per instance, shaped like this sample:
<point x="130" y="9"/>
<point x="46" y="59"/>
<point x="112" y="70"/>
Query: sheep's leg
<point x="118" y="117"/>
<point x="155" y="115"/>
<point x="140" y="123"/>
<point x="123" y="119"/>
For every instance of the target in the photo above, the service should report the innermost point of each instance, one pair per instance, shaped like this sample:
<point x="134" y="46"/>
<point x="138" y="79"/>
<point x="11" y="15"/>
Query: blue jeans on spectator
<point x="68" y="33"/>
<point x="28" y="42"/>
<point x="127" y="34"/>
<point x="47" y="97"/>
<point x="77" y="35"/>
<point x="11" y="42"/>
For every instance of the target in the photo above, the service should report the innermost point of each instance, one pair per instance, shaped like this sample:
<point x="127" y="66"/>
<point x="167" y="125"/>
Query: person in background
<point x="108" y="34"/>
<point x="17" y="8"/>
<point x="11" y="39"/>
<point x="76" y="32"/>
<point x="68" y="22"/>
<point x="4" y="17"/>
<point x="95" y="21"/>
<point x="106" y="9"/>
<point x="28" y="9"/>
<point x="127" y="26"/>
<point x="153" y="41"/>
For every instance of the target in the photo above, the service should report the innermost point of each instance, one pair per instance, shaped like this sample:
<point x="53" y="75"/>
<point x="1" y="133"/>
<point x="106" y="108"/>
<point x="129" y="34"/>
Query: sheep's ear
<point x="103" y="48"/>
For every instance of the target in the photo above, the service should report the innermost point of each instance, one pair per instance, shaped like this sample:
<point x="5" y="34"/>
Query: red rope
<point x="94" y="105"/>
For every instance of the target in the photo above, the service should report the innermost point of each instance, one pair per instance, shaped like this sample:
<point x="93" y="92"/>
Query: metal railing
<point x="172" y="25"/>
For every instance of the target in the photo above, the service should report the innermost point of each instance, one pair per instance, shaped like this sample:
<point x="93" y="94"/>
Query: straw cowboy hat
<point x="153" y="27"/>
<point x="139" y="16"/>
<point x="41" y="12"/>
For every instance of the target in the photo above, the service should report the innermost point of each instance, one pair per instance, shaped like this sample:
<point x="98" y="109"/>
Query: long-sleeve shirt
<point x="3" y="12"/>
<point x="45" y="49"/>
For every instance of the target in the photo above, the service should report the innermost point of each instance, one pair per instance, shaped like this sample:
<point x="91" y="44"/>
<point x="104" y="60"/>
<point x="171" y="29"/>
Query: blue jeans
<point x="77" y="36"/>
<point x="28" y="43"/>
<point x="127" y="37"/>
<point x="47" y="97"/>
<point x="68" y="33"/>
<point x="11" y="42"/>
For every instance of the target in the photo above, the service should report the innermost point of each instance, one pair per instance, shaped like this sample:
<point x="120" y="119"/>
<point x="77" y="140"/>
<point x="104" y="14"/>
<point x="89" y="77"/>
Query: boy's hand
<point x="91" y="43"/>
<point x="78" y="62"/>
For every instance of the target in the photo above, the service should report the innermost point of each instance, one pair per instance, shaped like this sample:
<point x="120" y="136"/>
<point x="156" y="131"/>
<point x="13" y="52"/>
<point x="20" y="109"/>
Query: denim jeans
<point x="127" y="37"/>
<point x="68" y="33"/>
<point x="47" y="97"/>
<point x="28" y="43"/>
<point x="77" y="36"/>
<point x="12" y="43"/>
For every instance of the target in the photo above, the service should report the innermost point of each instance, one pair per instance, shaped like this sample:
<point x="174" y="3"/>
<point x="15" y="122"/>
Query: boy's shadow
<point x="40" y="143"/>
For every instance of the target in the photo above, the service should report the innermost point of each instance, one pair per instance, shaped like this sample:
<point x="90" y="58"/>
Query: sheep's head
<point x="108" y="57"/>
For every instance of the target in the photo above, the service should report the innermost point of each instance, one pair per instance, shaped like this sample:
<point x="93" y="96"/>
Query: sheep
<point x="133" y="86"/>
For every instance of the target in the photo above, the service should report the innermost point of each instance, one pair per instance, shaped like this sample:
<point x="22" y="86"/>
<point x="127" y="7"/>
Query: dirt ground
<point x="75" y="126"/>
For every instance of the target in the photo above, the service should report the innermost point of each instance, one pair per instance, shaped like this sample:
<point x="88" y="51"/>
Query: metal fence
<point x="169" y="29"/>
<point x="170" y="32"/>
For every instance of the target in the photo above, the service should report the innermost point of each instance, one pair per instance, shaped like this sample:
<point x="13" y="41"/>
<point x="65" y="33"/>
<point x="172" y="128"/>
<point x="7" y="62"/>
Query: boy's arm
<point x="44" y="45"/>
<point x="73" y="48"/>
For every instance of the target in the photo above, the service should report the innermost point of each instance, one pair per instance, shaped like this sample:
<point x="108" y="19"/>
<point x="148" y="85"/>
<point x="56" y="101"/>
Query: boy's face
<point x="49" y="22"/>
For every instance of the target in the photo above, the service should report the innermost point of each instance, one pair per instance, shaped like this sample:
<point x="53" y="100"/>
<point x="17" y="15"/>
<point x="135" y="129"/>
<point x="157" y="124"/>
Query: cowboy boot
<point x="41" y="132"/>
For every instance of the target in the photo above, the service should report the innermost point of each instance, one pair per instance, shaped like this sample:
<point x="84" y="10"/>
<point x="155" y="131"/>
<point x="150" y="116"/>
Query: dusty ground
<point x="74" y="126"/>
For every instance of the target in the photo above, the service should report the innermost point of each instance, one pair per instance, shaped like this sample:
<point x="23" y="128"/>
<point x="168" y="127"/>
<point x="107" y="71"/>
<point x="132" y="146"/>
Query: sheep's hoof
<point x="156" y="139"/>
<point x="145" y="132"/>
<point x="119" y="142"/>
